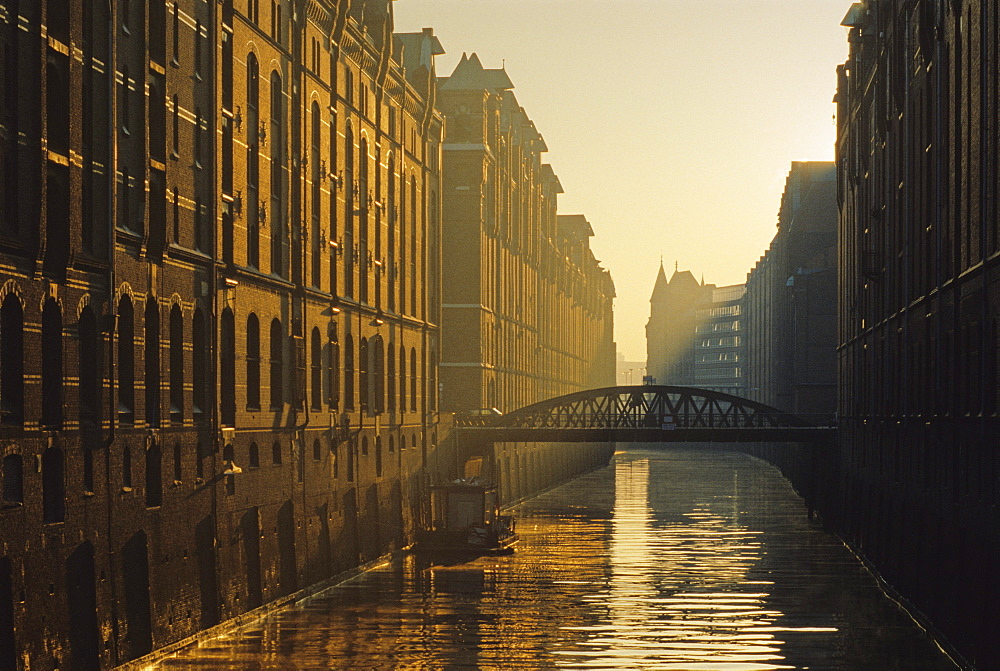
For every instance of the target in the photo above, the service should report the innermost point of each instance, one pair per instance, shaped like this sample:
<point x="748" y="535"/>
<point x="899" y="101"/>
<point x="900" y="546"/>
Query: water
<point x="665" y="560"/>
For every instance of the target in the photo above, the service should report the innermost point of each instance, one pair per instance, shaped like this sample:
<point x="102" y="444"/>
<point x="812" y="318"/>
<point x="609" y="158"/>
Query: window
<point x="253" y="162"/>
<point x="126" y="360"/>
<point x="349" y="372"/>
<point x="157" y="117"/>
<point x="277" y="172"/>
<point x="316" y="372"/>
<point x="125" y="102"/>
<point x="53" y="486"/>
<point x="333" y="363"/>
<point x="178" y="462"/>
<point x="317" y="450"/>
<point x="176" y="150"/>
<point x="154" y="475"/>
<point x="88" y="354"/>
<point x="198" y="354"/>
<point x="276" y="20"/>
<point x="253" y="362"/>
<point x="176" y="365"/>
<point x="126" y="466"/>
<point x="254" y="456"/>
<point x="402" y="379"/>
<point x="391" y="209"/>
<point x="197" y="137"/>
<point x="57" y="105"/>
<point x="228" y="373"/>
<point x="197" y="50"/>
<point x="362" y="205"/>
<point x="390" y="378"/>
<point x="56" y="20"/>
<point x="348" y="247"/>
<point x="316" y="194"/>
<point x="152" y="361"/>
<point x="277" y="365"/>
<point x="334" y="229"/>
<point x="413" y="379"/>
<point x="378" y="373"/>
<point x="13" y="479"/>
<point x="177" y="31"/>
<point x="363" y="363"/>
<point x="52" y="373"/>
<point x="378" y="456"/>
<point x="276" y="453"/>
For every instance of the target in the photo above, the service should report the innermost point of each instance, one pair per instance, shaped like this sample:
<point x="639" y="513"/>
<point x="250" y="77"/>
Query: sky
<point x="671" y="124"/>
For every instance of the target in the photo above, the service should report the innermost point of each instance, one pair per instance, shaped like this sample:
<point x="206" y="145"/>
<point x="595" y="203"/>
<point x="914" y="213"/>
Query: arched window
<point x="276" y="453"/>
<point x="176" y="364"/>
<point x="52" y="373"/>
<point x="126" y="360"/>
<point x="277" y="142"/>
<point x="392" y="223"/>
<point x="402" y="243"/>
<point x="402" y="379"/>
<point x="316" y="194"/>
<point x="333" y="362"/>
<point x="378" y="456"/>
<point x="362" y="205"/>
<point x="253" y="162"/>
<point x="413" y="245"/>
<point x="349" y="372"/>
<point x="390" y="377"/>
<point x="53" y="486"/>
<point x="317" y="450"/>
<point x="392" y="444"/>
<point x="347" y="251"/>
<point x="364" y="446"/>
<point x="253" y="362"/>
<point x="178" y="462"/>
<point x="227" y="374"/>
<point x="13" y="479"/>
<point x="152" y="361"/>
<point x="154" y="475"/>
<point x="126" y="466"/>
<point x="277" y="365"/>
<point x="363" y="363"/>
<point x="378" y="374"/>
<point x="198" y="365"/>
<point x="316" y="373"/>
<point x="432" y="385"/>
<point x="254" y="457"/>
<point x="413" y="379"/>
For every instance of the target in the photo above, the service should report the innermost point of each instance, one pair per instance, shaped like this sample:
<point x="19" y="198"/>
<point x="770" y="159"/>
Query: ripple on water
<point x="667" y="559"/>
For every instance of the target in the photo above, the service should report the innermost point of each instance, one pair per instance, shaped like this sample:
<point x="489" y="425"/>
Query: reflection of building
<point x="693" y="334"/>
<point x="527" y="307"/>
<point x="790" y="302"/>
<point x="218" y="313"/>
<point x="919" y="301"/>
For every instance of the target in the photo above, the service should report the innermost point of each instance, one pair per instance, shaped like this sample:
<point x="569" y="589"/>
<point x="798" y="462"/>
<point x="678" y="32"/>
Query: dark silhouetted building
<point x="918" y="178"/>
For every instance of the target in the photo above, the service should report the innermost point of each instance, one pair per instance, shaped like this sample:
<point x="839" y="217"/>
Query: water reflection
<point x="667" y="560"/>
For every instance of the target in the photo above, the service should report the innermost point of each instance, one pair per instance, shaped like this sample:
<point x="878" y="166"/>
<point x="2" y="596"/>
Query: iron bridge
<point x="645" y="413"/>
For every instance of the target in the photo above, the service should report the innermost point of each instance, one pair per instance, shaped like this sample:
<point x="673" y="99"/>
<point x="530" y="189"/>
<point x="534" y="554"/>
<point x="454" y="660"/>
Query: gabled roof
<point x="470" y="74"/>
<point x="419" y="49"/>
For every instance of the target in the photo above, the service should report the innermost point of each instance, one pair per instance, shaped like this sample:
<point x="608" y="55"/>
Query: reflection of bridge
<point x="651" y="414"/>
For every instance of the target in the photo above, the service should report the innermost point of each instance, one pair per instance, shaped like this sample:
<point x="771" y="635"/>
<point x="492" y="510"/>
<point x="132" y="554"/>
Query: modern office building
<point x="919" y="274"/>
<point x="694" y="332"/>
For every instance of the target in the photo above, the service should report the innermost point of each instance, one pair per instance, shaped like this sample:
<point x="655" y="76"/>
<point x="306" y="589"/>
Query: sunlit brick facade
<point x="220" y="389"/>
<point x="920" y="292"/>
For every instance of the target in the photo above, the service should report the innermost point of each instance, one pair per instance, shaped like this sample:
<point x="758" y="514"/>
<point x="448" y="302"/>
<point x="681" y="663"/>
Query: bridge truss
<point x="646" y="413"/>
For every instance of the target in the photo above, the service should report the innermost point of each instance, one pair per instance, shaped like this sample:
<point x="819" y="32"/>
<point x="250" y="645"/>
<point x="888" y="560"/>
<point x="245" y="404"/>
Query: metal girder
<point x="648" y="413"/>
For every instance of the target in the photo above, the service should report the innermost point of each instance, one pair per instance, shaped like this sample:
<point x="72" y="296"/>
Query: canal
<point x="674" y="559"/>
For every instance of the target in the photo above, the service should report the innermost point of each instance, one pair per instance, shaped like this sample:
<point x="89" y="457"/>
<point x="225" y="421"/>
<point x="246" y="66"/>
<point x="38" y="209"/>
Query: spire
<point x="661" y="283"/>
<point x="677" y="266"/>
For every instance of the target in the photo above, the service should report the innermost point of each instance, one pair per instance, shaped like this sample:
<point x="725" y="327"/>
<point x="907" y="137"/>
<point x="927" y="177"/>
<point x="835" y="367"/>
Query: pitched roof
<point x="661" y="284"/>
<point x="470" y="74"/>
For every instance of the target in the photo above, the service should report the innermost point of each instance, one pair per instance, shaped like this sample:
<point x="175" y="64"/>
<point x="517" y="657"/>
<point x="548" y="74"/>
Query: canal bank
<point x="667" y="559"/>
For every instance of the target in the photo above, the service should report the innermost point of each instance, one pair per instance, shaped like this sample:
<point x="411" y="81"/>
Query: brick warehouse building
<point x="917" y="155"/>
<point x="527" y="311"/>
<point x="219" y="233"/>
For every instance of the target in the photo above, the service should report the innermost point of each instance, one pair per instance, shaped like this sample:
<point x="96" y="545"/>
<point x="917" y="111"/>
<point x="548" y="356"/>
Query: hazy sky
<point x="670" y="123"/>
